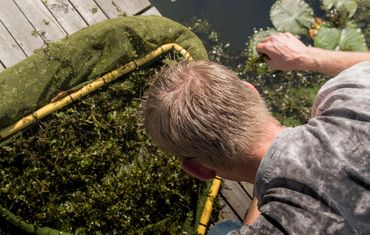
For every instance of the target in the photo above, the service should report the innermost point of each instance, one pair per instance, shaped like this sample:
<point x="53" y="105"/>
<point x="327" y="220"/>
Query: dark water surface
<point x="234" y="19"/>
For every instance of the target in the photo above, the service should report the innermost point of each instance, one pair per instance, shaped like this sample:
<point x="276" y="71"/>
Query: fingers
<point x="269" y="44"/>
<point x="261" y="48"/>
<point x="264" y="46"/>
<point x="264" y="51"/>
<point x="278" y="36"/>
<point x="270" y="48"/>
<point x="284" y="51"/>
<point x="290" y="35"/>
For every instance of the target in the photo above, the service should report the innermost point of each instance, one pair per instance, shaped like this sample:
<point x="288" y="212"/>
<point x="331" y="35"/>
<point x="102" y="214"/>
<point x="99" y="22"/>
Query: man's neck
<point x="273" y="129"/>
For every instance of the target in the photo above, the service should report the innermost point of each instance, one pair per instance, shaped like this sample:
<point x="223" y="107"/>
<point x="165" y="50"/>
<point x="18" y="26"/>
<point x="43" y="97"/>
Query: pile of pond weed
<point x="91" y="169"/>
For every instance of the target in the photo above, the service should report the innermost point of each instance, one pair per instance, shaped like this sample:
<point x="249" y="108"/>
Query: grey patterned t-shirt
<point x="315" y="178"/>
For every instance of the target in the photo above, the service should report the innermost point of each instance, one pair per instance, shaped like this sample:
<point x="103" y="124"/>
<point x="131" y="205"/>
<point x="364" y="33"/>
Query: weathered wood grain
<point x="151" y="11"/>
<point x="19" y="27"/>
<point x="226" y="212"/>
<point x="236" y="197"/>
<point x="67" y="16"/>
<point x="28" y="25"/>
<point x="137" y="6"/>
<point x="10" y="52"/>
<point x="89" y="10"/>
<point x="1" y="67"/>
<point x="122" y="7"/>
<point x="248" y="188"/>
<point x="112" y="9"/>
<point x="41" y="19"/>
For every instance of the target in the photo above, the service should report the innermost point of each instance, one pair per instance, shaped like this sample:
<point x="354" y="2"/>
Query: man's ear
<point x="197" y="170"/>
<point x="250" y="86"/>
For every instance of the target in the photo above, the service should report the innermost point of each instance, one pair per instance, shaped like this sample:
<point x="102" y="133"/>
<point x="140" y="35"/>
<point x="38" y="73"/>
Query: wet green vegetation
<point x="91" y="169"/>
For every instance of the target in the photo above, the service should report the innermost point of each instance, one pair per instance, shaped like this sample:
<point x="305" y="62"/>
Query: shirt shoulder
<point x="351" y="84"/>
<point x="312" y="177"/>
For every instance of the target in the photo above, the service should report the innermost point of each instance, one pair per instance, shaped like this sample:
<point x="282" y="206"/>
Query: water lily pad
<point x="347" y="39"/>
<point x="294" y="16"/>
<point x="346" y="7"/>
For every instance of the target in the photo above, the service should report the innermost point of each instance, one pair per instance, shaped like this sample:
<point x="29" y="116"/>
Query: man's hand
<point x="284" y="51"/>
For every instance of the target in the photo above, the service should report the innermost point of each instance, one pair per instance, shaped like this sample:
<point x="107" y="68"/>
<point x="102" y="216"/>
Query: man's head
<point x="202" y="112"/>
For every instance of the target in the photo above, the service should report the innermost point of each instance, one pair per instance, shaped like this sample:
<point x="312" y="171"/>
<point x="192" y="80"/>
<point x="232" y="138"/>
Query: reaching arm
<point x="286" y="52"/>
<point x="252" y="213"/>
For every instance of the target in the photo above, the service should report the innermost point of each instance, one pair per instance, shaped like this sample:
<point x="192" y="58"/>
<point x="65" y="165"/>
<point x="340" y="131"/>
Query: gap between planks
<point x="236" y="197"/>
<point x="28" y="25"/>
<point x="19" y="27"/>
<point x="10" y="51"/>
<point x="2" y="67"/>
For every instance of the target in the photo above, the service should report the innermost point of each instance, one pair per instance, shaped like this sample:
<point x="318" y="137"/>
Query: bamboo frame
<point x="208" y="206"/>
<point x="29" y="228"/>
<point x="94" y="85"/>
<point x="100" y="82"/>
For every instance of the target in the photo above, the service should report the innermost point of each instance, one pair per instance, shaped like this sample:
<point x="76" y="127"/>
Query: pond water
<point x="235" y="20"/>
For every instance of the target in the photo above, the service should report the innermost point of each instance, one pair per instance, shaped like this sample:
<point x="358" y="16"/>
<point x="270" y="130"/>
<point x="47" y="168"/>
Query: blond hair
<point x="202" y="110"/>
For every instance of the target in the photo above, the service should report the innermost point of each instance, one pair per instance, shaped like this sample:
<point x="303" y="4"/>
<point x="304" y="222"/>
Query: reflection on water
<point x="234" y="19"/>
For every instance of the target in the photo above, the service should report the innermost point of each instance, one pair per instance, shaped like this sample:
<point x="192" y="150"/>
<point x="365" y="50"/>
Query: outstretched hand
<point x="283" y="51"/>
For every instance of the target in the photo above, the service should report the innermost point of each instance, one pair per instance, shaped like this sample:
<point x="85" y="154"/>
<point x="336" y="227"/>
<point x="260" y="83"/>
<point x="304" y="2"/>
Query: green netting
<point x="54" y="156"/>
<point x="83" y="56"/>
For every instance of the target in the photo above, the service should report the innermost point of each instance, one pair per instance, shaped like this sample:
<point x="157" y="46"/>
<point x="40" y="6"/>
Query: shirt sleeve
<point x="261" y="226"/>
<point x="351" y="85"/>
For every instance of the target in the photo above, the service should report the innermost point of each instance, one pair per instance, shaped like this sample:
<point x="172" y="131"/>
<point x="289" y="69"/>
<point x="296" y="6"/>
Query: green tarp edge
<point x="84" y="56"/>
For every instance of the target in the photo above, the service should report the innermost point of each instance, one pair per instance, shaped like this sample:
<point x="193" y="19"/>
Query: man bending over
<point x="311" y="179"/>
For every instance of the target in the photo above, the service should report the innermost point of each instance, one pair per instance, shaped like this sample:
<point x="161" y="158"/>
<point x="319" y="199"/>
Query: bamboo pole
<point x="29" y="228"/>
<point x="208" y="206"/>
<point x="100" y="82"/>
<point x="94" y="85"/>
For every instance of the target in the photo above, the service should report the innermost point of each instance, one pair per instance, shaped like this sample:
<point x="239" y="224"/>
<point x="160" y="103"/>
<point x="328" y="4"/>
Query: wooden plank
<point x="236" y="197"/>
<point x="66" y="15"/>
<point x="19" y="27"/>
<point x="89" y="10"/>
<point x="136" y="6"/>
<point x="112" y="9"/>
<point x="41" y="19"/>
<point x="10" y="52"/>
<point x="1" y="69"/>
<point x="116" y="8"/>
<point x="226" y="212"/>
<point x="151" y="11"/>
<point x="249" y="188"/>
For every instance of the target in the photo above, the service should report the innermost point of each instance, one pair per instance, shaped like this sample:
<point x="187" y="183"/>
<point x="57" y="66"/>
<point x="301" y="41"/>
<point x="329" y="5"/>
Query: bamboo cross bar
<point x="94" y="85"/>
<point x="208" y="206"/>
<point x="100" y="82"/>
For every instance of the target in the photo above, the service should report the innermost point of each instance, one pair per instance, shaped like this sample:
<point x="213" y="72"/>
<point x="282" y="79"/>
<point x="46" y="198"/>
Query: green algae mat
<point x="89" y="168"/>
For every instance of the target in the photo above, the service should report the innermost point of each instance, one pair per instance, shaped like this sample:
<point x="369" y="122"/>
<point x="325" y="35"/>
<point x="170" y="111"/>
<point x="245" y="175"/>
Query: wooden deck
<point x="26" y="25"/>
<point x="235" y="198"/>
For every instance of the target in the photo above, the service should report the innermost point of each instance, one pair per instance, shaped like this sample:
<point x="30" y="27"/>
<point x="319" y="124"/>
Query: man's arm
<point x="252" y="213"/>
<point x="286" y="52"/>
